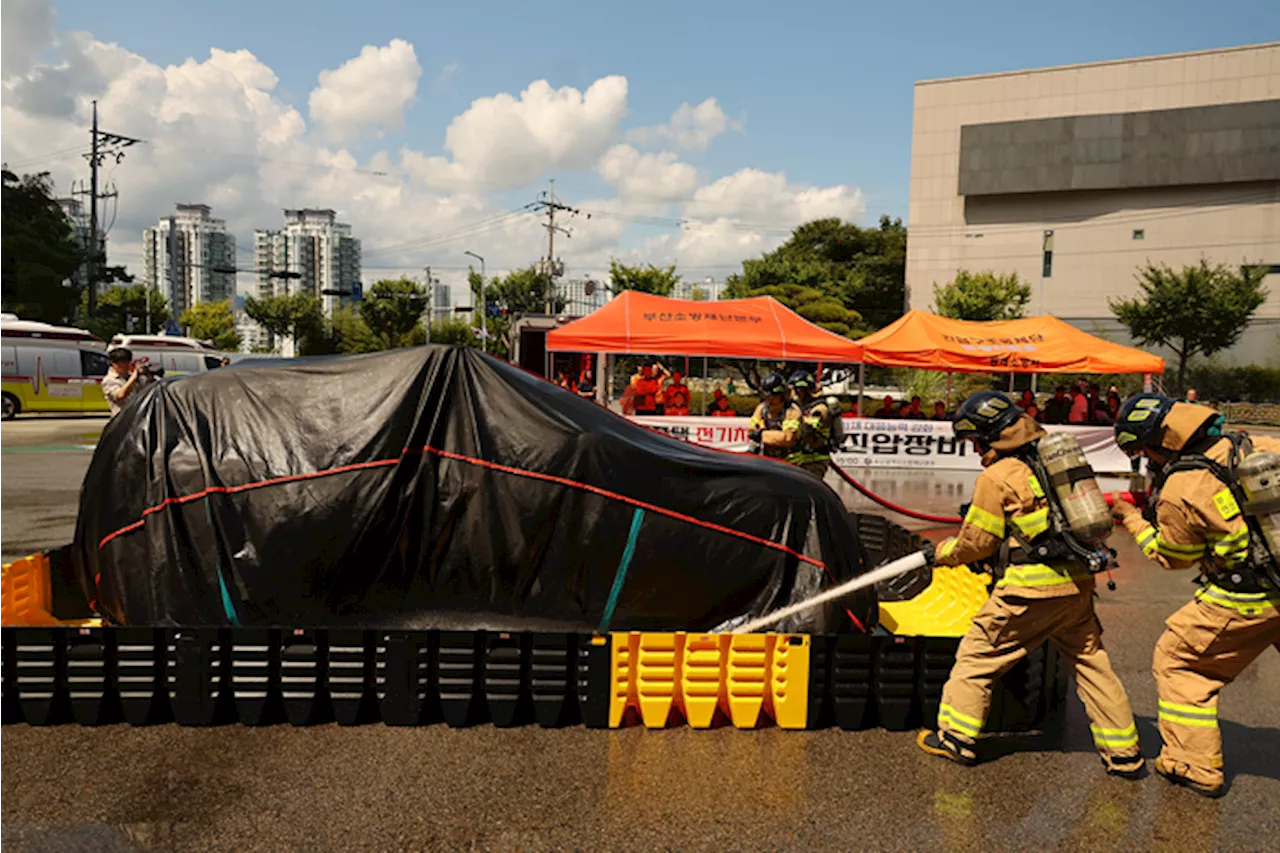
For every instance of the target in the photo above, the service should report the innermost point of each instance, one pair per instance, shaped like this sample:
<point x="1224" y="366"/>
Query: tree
<point x="213" y="321"/>
<point x="863" y="270"/>
<point x="349" y="333"/>
<point x="520" y="292"/>
<point x="453" y="330"/>
<point x="392" y="308"/>
<point x="699" y="294"/>
<point x="982" y="296"/>
<point x="1199" y="311"/>
<point x="298" y="315"/>
<point x="123" y="310"/>
<point x="813" y="305"/>
<point x="40" y="253"/>
<point x="646" y="279"/>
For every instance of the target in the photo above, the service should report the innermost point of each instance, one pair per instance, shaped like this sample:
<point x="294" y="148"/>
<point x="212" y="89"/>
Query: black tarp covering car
<point x="438" y="486"/>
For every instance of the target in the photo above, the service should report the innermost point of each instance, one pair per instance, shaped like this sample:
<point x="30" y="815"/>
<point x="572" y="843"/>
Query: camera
<point x="153" y="372"/>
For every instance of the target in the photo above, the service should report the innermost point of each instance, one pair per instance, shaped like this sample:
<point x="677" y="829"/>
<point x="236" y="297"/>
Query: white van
<point x="177" y="356"/>
<point x="50" y="368"/>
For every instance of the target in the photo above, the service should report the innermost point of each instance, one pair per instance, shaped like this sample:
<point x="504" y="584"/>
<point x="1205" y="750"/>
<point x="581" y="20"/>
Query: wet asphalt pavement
<point x="380" y="788"/>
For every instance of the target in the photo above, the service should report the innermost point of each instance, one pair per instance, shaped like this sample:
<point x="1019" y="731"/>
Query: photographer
<point x="123" y="380"/>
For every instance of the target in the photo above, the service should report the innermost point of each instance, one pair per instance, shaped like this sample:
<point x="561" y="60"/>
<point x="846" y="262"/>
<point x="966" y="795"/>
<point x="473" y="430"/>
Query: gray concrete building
<point x="1075" y="177"/>
<point x="190" y="257"/>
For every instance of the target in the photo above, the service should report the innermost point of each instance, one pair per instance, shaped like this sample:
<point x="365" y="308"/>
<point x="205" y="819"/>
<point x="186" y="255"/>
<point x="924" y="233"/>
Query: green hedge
<point x="1251" y="384"/>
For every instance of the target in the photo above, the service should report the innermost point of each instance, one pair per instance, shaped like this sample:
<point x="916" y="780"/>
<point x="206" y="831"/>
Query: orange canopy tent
<point x="1031" y="345"/>
<point x="644" y="324"/>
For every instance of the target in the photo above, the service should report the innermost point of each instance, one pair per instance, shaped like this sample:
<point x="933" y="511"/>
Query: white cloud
<point x="26" y="28"/>
<point x="768" y="198"/>
<point x="647" y="176"/>
<point x="447" y="73"/>
<point x="217" y="131"/>
<point x="503" y="141"/>
<point x="691" y="127"/>
<point x="367" y="93"/>
<point x="745" y="214"/>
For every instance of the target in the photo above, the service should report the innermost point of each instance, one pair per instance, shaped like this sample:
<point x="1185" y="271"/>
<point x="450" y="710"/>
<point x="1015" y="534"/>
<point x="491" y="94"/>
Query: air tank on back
<point x="1076" y="487"/>
<point x="1259" y="477"/>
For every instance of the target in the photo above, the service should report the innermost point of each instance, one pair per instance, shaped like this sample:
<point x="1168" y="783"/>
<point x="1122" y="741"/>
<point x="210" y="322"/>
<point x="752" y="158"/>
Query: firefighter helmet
<point x="1140" y="420"/>
<point x="803" y="379"/>
<point x="773" y="384"/>
<point x="985" y="415"/>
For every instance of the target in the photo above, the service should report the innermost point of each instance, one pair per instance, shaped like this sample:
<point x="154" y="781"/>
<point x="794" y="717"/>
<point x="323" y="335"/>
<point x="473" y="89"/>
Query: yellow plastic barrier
<point x="789" y="684"/>
<point x="26" y="594"/>
<point x="701" y="679"/>
<point x="945" y="609"/>
<point x="743" y="677"/>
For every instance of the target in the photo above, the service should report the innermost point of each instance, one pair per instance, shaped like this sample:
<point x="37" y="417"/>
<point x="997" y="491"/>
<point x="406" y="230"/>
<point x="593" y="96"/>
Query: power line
<point x="455" y="233"/>
<point x="51" y="156"/>
<point x="1014" y="228"/>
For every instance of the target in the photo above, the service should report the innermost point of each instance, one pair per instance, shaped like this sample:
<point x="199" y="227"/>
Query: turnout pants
<point x="1203" y="649"/>
<point x="818" y="469"/>
<point x="1005" y="629"/>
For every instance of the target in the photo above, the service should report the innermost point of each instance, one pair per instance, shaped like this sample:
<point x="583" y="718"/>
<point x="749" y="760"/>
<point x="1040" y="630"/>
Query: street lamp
<point x="484" y="322"/>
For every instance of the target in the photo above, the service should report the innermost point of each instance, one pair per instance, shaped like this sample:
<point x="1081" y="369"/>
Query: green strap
<point x="227" y="606"/>
<point x="621" y="576"/>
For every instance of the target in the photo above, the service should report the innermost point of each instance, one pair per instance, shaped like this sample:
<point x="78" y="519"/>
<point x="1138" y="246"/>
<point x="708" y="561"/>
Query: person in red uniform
<point x="647" y="390"/>
<point x="720" y="407"/>
<point x="675" y="397"/>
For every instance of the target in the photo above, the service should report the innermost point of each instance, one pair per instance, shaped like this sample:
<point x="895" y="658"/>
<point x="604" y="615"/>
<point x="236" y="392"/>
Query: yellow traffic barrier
<point x="26" y="593"/>
<point x="944" y="609"/>
<point x="740" y="678"/>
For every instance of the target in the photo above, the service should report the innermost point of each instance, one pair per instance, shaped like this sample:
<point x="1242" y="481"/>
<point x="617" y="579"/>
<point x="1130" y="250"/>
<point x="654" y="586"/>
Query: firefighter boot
<point x="1176" y="773"/>
<point x="948" y="745"/>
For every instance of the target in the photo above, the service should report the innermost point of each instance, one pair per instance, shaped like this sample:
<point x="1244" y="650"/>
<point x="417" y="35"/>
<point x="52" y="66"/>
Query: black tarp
<point x="438" y="486"/>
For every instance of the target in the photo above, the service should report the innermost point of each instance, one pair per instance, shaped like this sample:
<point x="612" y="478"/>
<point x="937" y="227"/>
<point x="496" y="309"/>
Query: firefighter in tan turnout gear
<point x="1214" y="507"/>
<point x="775" y="424"/>
<point x="812" y="448"/>
<point x="1043" y="592"/>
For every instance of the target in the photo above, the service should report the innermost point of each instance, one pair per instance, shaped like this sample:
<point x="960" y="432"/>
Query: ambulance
<point x="50" y="368"/>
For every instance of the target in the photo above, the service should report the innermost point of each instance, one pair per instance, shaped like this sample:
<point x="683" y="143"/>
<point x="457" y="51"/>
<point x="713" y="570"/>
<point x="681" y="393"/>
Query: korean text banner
<point x="1030" y="345"/>
<point x="873" y="443"/>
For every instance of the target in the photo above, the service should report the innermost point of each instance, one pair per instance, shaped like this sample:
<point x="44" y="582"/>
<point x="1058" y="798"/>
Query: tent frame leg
<point x="862" y="384"/>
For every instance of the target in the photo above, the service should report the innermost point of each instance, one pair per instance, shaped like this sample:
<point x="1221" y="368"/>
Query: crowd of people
<point x="911" y="410"/>
<point x="1081" y="404"/>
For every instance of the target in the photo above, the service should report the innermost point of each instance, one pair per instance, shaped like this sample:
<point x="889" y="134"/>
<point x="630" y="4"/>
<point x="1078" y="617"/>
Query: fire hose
<point x="1135" y="498"/>
<point x="911" y="562"/>
<point x="887" y="504"/>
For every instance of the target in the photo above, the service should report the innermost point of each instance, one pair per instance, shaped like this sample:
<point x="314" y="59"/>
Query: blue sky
<point x="826" y="87"/>
<point x="814" y="103"/>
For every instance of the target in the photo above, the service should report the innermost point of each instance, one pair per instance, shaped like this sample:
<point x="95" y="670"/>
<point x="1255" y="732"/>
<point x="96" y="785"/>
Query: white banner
<point x="874" y="443"/>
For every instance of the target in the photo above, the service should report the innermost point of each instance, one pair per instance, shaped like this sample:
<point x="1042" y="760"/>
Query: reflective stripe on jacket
<point x="1008" y="495"/>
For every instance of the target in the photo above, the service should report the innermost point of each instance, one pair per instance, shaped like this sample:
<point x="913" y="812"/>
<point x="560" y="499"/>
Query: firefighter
<point x="1031" y="602"/>
<point x="1198" y="523"/>
<point x="812" y="449"/>
<point x="775" y="424"/>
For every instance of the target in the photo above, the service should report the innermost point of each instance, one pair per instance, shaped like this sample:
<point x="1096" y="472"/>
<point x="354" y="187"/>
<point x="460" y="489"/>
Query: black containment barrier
<point x="260" y="676"/>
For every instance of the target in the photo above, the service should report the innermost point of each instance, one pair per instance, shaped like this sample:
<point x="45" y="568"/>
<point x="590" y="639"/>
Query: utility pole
<point x="550" y="206"/>
<point x="102" y="146"/>
<point x="484" y="304"/>
<point x="94" y="243"/>
<point x="430" y="302"/>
